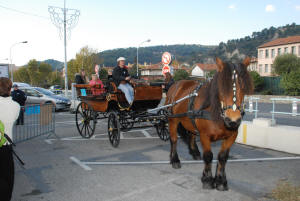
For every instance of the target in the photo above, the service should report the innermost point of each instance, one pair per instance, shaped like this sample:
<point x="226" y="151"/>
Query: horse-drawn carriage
<point x="109" y="102"/>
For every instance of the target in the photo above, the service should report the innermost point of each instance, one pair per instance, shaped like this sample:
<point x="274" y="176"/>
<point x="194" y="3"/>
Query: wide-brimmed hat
<point x="121" y="59"/>
<point x="14" y="85"/>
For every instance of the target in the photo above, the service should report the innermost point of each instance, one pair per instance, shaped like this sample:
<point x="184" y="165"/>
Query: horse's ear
<point x="246" y="61"/>
<point x="220" y="64"/>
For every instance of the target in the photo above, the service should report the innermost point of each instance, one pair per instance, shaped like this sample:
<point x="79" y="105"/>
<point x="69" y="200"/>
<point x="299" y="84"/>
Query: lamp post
<point x="137" y="56"/>
<point x="10" y="58"/>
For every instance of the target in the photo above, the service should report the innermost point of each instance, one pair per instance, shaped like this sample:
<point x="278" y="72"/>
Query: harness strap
<point x="191" y="111"/>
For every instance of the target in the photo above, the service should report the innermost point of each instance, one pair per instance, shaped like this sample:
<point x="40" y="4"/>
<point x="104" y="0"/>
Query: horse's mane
<point x="222" y="83"/>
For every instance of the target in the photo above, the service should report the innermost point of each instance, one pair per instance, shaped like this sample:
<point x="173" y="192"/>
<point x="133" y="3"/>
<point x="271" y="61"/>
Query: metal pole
<point x="65" y="48"/>
<point x="137" y="62"/>
<point x="10" y="58"/>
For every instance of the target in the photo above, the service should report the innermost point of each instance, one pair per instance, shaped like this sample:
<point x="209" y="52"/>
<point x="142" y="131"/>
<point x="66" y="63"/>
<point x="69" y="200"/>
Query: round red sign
<point x="166" y="69"/>
<point x="166" y="58"/>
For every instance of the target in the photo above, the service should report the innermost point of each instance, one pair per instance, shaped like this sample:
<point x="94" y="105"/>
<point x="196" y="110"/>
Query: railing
<point x="251" y="109"/>
<point x="294" y="102"/>
<point x="37" y="120"/>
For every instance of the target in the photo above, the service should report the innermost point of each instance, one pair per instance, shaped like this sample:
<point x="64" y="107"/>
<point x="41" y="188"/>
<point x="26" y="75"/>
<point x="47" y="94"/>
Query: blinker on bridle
<point x="234" y="106"/>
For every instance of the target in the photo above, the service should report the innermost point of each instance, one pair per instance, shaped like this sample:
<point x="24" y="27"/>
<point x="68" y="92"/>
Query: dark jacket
<point x="169" y="84"/>
<point x="119" y="74"/>
<point x="19" y="96"/>
<point x="78" y="79"/>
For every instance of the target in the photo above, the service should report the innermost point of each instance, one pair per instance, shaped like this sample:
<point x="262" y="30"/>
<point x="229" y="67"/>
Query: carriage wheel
<point x="113" y="128"/>
<point x="85" y="120"/>
<point x="162" y="128"/>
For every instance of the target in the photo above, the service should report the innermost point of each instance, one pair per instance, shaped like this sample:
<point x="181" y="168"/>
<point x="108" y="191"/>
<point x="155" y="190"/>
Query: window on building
<point x="266" y="68"/>
<point x="267" y="54"/>
<point x="260" y="68"/>
<point x="272" y="53"/>
<point x="293" y="50"/>
<point x="286" y="50"/>
<point x="278" y="51"/>
<point x="260" y="54"/>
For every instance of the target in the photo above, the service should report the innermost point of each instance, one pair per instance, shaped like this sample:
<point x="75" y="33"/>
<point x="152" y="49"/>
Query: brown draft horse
<point x="222" y="97"/>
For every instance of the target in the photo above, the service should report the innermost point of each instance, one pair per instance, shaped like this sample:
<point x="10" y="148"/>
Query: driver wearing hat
<point x="122" y="78"/>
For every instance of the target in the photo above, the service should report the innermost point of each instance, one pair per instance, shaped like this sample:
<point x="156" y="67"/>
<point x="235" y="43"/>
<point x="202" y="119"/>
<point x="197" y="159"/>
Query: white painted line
<point x="48" y="141"/>
<point x="147" y="135"/>
<point x="121" y="135"/>
<point x="78" y="162"/>
<point x="188" y="162"/>
<point x="65" y="122"/>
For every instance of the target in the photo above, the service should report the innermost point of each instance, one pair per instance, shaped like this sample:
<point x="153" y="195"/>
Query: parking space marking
<point x="87" y="163"/>
<point x="147" y="135"/>
<point x="96" y="137"/>
<point x="78" y="162"/>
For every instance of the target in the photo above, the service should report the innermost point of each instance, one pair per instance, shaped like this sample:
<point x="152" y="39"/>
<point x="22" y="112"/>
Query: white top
<point x="9" y="113"/>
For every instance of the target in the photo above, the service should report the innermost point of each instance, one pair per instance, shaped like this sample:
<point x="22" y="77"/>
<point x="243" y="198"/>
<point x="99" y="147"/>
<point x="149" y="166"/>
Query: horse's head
<point x="234" y="82"/>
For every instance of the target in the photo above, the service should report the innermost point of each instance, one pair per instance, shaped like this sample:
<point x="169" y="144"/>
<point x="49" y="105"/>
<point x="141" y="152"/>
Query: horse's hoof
<point x="208" y="182"/>
<point x="176" y="165"/>
<point x="208" y="185"/>
<point x="222" y="187"/>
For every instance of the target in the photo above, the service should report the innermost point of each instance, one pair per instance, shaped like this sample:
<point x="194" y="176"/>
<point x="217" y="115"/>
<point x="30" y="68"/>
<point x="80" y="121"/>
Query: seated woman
<point x="97" y="86"/>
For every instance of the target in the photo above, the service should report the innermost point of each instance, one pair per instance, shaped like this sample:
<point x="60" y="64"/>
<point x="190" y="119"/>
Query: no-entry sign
<point x="166" y="69"/>
<point x="166" y="58"/>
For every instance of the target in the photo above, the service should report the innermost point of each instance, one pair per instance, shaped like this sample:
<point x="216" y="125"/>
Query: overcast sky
<point x="113" y="24"/>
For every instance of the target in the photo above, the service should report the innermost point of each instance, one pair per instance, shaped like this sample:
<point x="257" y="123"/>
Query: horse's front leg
<point x="174" y="159"/>
<point x="207" y="178"/>
<point x="220" y="178"/>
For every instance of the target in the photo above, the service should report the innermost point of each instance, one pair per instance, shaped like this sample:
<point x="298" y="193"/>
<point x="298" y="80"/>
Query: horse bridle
<point x="234" y="106"/>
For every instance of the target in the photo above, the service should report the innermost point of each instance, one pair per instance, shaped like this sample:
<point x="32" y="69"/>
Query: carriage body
<point x="110" y="102"/>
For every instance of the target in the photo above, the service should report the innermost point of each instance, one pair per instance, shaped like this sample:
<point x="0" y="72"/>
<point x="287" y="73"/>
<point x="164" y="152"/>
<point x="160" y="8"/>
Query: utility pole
<point x="64" y="19"/>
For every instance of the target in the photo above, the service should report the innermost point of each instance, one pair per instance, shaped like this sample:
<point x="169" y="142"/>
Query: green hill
<point x="54" y="64"/>
<point x="235" y="49"/>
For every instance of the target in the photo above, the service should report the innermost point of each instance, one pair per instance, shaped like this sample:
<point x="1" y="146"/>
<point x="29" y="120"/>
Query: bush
<point x="181" y="75"/>
<point x="267" y="92"/>
<point x="291" y="83"/>
<point x="258" y="81"/>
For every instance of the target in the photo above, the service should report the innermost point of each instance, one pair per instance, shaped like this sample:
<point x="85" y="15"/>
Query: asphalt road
<point x="50" y="174"/>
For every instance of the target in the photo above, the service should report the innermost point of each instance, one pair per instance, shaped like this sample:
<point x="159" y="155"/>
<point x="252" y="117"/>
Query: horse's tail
<point x="183" y="133"/>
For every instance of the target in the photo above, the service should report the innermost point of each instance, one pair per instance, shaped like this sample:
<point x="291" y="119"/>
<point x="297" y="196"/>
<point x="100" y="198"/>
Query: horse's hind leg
<point x="190" y="139"/>
<point x="207" y="178"/>
<point x="194" y="151"/>
<point x="174" y="159"/>
<point x="220" y="178"/>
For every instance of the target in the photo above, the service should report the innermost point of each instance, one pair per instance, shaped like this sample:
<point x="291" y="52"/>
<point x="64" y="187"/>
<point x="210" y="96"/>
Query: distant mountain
<point x="234" y="50"/>
<point x="153" y="54"/>
<point x="54" y="64"/>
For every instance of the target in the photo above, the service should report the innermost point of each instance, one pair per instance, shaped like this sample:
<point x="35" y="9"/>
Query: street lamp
<point x="137" y="56"/>
<point x="10" y="65"/>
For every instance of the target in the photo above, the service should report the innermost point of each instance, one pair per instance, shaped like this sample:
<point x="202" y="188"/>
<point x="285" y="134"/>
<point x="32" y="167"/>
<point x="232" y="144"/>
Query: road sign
<point x="166" y="58"/>
<point x="4" y="71"/>
<point x="166" y="69"/>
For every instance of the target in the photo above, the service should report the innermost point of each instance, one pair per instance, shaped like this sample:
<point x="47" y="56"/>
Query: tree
<point x="33" y="71"/>
<point x="258" y="81"/>
<point x="103" y="74"/>
<point x="290" y="83"/>
<point x="21" y="75"/>
<point x="181" y="75"/>
<point x="85" y="59"/>
<point x="286" y="63"/>
<point x="132" y="71"/>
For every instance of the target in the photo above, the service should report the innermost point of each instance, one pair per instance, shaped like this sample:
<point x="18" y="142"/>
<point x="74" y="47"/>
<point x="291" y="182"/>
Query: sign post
<point x="166" y="60"/>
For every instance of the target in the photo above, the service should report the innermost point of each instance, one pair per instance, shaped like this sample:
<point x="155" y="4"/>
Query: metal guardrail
<point x="294" y="102"/>
<point x="38" y="120"/>
<point x="252" y="109"/>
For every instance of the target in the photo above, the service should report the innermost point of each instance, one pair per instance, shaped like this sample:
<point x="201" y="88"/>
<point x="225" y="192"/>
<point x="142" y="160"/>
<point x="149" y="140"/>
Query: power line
<point x="24" y="13"/>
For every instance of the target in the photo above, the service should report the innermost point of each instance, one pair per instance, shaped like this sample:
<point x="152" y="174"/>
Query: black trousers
<point x="20" y="119"/>
<point x="7" y="172"/>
